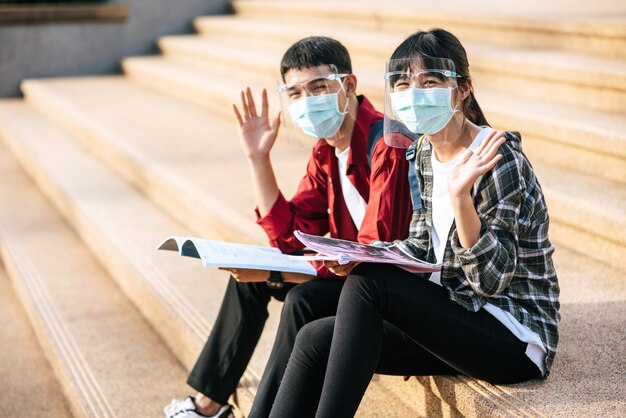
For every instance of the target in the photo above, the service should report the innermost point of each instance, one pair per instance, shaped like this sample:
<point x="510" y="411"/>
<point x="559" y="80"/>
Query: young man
<point x="342" y="193"/>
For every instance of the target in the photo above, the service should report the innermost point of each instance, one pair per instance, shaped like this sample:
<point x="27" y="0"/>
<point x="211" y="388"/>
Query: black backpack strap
<point x="375" y="134"/>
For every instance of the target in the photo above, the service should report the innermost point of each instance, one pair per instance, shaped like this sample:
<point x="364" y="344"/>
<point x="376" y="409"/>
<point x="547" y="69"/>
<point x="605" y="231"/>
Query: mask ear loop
<point x="345" y="108"/>
<point x="456" y="87"/>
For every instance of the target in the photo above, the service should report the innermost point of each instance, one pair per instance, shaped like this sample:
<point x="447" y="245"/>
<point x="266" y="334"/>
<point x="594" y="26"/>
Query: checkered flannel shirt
<point x="511" y="264"/>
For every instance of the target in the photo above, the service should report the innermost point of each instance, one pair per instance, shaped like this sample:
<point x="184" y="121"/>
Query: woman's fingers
<point x="491" y="164"/>
<point x="483" y="144"/>
<point x="495" y="143"/>
<point x="465" y="157"/>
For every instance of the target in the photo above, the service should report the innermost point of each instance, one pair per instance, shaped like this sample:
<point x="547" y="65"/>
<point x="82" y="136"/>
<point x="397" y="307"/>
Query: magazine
<point x="231" y="255"/>
<point x="345" y="251"/>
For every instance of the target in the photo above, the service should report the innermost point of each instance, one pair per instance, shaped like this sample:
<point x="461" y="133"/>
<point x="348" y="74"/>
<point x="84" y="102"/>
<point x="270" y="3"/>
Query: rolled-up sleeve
<point x="306" y="211"/>
<point x="490" y="265"/>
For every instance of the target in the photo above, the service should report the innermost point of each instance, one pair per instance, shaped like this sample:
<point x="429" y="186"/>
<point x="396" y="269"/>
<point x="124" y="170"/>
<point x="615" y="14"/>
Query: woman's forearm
<point x="467" y="221"/>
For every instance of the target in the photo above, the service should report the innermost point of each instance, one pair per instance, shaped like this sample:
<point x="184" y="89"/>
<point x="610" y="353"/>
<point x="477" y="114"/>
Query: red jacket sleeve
<point x="389" y="208"/>
<point x="306" y="211"/>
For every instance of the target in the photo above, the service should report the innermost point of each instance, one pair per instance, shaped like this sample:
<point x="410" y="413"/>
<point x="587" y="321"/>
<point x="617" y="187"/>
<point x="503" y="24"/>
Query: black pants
<point x="238" y="328"/>
<point x="393" y="322"/>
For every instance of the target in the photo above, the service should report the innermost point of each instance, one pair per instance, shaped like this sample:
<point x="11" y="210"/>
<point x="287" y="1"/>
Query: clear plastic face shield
<point x="420" y="98"/>
<point x="314" y="104"/>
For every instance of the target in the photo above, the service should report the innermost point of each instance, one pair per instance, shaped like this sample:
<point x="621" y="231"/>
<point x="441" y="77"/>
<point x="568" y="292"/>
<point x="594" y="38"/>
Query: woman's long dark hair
<point x="439" y="43"/>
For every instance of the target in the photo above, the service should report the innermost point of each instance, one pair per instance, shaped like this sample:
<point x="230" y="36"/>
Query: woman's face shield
<point x="314" y="104"/>
<point x="418" y="96"/>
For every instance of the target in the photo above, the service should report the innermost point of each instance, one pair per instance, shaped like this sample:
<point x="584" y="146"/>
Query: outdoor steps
<point x="107" y="213"/>
<point x="29" y="388"/>
<point x="187" y="161"/>
<point x="589" y="141"/>
<point x="122" y="229"/>
<point x="560" y="77"/>
<point x="84" y="108"/>
<point x="601" y="36"/>
<point x="585" y="210"/>
<point x="107" y="359"/>
<point x="176" y="296"/>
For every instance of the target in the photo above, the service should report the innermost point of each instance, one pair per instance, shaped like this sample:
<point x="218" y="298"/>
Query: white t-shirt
<point x="354" y="201"/>
<point x="442" y="210"/>
<point x="442" y="218"/>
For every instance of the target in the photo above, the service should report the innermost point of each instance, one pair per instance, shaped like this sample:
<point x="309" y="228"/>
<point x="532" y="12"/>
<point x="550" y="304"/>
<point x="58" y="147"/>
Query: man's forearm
<point x="296" y="277"/>
<point x="265" y="184"/>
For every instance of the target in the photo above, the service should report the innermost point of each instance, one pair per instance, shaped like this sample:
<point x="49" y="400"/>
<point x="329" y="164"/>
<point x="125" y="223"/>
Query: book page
<point x="232" y="255"/>
<point x="355" y="251"/>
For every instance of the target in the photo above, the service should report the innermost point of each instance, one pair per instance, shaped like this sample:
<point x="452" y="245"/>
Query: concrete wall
<point x="66" y="49"/>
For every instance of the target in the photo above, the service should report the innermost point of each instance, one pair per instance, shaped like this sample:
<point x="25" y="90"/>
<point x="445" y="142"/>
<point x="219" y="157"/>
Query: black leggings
<point x="392" y="322"/>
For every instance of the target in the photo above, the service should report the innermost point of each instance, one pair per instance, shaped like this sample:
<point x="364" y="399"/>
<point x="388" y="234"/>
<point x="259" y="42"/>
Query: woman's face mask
<point x="318" y="116"/>
<point x="423" y="110"/>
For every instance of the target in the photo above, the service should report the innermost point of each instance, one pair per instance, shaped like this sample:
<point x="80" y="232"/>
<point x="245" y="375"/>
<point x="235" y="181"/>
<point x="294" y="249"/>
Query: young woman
<point x="492" y="311"/>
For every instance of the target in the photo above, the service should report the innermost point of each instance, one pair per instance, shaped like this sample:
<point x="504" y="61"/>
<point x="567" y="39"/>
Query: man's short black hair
<point x="313" y="51"/>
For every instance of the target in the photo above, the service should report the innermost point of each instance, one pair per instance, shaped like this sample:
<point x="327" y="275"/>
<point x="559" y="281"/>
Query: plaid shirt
<point x="511" y="265"/>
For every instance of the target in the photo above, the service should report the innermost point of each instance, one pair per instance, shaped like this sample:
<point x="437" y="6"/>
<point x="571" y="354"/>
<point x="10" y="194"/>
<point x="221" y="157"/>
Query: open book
<point x="345" y="251"/>
<point x="231" y="255"/>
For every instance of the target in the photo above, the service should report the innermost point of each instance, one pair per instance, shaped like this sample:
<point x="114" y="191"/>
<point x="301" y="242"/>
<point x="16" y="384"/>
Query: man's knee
<point x="312" y="346"/>
<point x="299" y="298"/>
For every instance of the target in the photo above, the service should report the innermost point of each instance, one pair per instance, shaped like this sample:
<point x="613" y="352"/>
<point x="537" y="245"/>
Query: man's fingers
<point x="244" y="105"/>
<point x="239" y="118"/>
<point x="251" y="105"/>
<point x="264" y="103"/>
<point x="276" y="123"/>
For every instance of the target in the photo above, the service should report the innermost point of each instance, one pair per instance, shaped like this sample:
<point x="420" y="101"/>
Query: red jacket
<point x="318" y="207"/>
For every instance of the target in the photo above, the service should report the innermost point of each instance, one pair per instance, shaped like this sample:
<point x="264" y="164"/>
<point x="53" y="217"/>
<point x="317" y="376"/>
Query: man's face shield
<point x="420" y="96"/>
<point x="314" y="104"/>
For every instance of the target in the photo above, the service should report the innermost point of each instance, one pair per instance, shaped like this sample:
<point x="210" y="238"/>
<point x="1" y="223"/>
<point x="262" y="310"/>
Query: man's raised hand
<point x="255" y="132"/>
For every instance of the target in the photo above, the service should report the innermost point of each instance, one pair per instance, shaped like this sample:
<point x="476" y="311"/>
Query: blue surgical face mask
<point x="425" y="111"/>
<point x="318" y="116"/>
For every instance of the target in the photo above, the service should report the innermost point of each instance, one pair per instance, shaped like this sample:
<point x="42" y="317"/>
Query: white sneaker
<point x="187" y="409"/>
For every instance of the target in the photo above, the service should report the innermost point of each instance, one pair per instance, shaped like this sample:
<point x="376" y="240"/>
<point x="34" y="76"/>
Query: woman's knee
<point x="364" y="282"/>
<point x="312" y="346"/>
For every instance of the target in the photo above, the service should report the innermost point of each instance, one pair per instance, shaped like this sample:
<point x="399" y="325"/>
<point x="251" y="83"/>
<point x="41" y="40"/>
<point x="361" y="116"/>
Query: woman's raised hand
<point x="474" y="165"/>
<point x="255" y="132"/>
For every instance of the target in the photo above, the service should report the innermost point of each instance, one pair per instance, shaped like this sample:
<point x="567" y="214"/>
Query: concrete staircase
<point x="118" y="163"/>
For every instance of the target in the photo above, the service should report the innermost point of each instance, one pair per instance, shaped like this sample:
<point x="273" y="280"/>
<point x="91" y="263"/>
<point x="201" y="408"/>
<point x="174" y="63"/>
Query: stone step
<point x="105" y="355"/>
<point x="29" y="388"/>
<point x="543" y="74"/>
<point x="588" y="141"/>
<point x="122" y="230"/>
<point x="585" y="33"/>
<point x="583" y="209"/>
